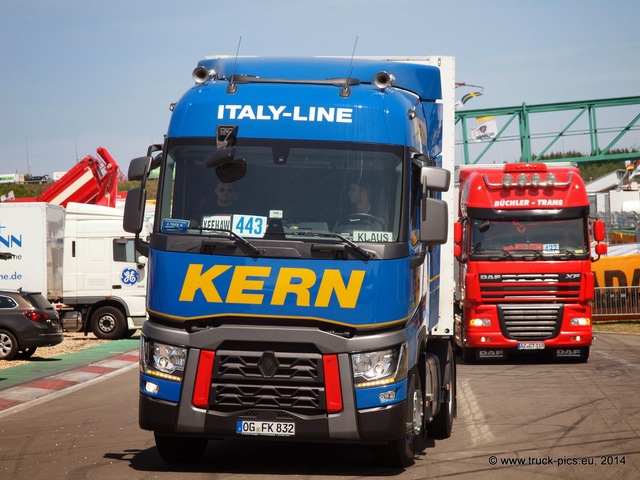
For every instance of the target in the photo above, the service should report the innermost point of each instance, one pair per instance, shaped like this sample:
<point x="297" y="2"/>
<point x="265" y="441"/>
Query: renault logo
<point x="268" y="364"/>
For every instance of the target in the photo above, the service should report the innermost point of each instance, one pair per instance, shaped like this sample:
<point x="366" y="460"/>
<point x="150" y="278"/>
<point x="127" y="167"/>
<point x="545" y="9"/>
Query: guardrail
<point x="616" y="303"/>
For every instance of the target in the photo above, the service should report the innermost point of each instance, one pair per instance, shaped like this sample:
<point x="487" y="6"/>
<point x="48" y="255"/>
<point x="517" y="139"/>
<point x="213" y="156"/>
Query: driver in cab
<point x="360" y="198"/>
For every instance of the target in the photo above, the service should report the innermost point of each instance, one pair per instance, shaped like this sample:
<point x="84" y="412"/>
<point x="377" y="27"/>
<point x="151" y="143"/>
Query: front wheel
<point x="469" y="355"/>
<point x="581" y="357"/>
<point x="108" y="323"/>
<point x="180" y="449"/>
<point x="584" y="354"/>
<point x="129" y="333"/>
<point x="442" y="423"/>
<point x="400" y="453"/>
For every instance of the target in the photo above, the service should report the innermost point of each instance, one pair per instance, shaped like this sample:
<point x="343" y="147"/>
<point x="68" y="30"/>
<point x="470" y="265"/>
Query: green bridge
<point x="602" y="130"/>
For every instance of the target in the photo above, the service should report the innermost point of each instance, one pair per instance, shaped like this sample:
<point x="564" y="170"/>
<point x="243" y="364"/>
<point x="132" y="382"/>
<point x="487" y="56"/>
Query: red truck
<point x="524" y="280"/>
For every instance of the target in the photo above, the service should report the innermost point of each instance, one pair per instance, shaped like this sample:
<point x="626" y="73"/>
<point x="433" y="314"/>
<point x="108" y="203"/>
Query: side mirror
<point x="134" y="217"/>
<point x="138" y="168"/>
<point x="457" y="239"/>
<point x="434" y="222"/>
<point x="457" y="232"/>
<point x="601" y="248"/>
<point x="134" y="210"/>
<point x="598" y="230"/>
<point x="435" y="179"/>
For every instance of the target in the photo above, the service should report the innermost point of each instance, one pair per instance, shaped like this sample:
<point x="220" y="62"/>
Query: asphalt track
<point x="45" y="377"/>
<point x="524" y="418"/>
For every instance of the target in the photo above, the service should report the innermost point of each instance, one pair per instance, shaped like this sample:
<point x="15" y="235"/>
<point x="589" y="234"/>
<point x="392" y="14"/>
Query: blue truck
<point x="300" y="283"/>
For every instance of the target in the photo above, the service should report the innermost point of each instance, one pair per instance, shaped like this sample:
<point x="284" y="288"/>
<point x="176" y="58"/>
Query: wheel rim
<point x="106" y="323"/>
<point x="418" y="413"/>
<point x="448" y="374"/>
<point x="5" y="345"/>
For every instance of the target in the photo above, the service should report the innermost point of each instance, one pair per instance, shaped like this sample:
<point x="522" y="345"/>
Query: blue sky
<point x="77" y="75"/>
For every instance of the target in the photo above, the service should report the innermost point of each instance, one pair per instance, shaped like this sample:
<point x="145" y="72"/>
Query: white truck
<point x="12" y="178"/>
<point x="81" y="259"/>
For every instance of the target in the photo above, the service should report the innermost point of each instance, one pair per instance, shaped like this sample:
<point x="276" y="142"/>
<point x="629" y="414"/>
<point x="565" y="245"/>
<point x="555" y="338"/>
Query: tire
<point x="108" y="323"/>
<point x="442" y="423"/>
<point x="584" y="354"/>
<point x="180" y="449"/>
<point x="469" y="355"/>
<point x="400" y="453"/>
<point x="26" y="353"/>
<point x="129" y="333"/>
<point x="8" y="345"/>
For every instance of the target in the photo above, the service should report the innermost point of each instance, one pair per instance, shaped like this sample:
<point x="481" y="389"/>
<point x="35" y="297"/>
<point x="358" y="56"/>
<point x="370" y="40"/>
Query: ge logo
<point x="129" y="276"/>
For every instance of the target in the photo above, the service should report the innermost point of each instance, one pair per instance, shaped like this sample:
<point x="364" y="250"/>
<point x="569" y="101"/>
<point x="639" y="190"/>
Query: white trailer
<point x="12" y="178"/>
<point x="34" y="234"/>
<point x="81" y="259"/>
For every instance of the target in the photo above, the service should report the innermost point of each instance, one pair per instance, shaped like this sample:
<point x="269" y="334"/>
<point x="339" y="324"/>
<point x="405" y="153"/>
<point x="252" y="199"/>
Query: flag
<point x="469" y="96"/>
<point x="485" y="131"/>
<point x="633" y="168"/>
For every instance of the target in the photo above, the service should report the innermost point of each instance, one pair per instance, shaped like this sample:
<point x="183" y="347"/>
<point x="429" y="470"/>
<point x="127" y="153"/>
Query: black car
<point x="27" y="321"/>
<point x="38" y="179"/>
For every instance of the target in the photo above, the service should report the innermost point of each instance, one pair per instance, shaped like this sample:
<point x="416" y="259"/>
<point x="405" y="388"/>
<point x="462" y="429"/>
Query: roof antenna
<point x="346" y="91"/>
<point x="232" y="87"/>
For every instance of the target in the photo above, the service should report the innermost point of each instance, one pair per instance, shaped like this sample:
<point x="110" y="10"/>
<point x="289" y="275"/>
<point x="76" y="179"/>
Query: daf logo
<point x="491" y="353"/>
<point x="568" y="352"/>
<point x="489" y="277"/>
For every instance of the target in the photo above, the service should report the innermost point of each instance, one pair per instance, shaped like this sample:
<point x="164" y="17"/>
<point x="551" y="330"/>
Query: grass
<point x="625" y="326"/>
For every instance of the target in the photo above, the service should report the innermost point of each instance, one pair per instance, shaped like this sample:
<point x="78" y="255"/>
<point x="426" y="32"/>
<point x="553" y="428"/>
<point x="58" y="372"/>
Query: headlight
<point x="480" y="322"/>
<point x="162" y="360"/>
<point x="580" y="321"/>
<point x="372" y="369"/>
<point x="521" y="180"/>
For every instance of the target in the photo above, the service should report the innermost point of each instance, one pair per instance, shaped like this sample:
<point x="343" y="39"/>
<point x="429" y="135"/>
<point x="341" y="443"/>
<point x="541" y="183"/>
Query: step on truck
<point x="301" y="260"/>
<point x="523" y="250"/>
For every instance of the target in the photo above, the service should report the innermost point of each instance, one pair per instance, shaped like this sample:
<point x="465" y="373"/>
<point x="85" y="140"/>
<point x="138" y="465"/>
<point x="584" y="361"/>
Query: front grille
<point x="530" y="322"/>
<point x="268" y="380"/>
<point x="239" y="397"/>
<point x="522" y="287"/>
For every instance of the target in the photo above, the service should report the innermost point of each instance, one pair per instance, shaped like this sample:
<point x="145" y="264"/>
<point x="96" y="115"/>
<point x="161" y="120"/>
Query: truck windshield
<point x="292" y="189"/>
<point x="543" y="239"/>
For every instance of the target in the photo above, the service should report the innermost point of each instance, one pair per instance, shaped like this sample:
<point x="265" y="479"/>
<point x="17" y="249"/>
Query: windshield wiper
<point x="237" y="238"/>
<point x="564" y="253"/>
<point x="365" y="253"/>
<point x="536" y="253"/>
<point x="493" y="256"/>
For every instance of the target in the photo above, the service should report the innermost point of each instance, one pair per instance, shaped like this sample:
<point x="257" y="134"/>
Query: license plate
<point x="273" y="429"/>
<point x="531" y="346"/>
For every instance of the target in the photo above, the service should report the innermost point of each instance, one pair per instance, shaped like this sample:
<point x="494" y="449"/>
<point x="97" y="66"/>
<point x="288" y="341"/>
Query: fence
<point x="622" y="227"/>
<point x="616" y="303"/>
